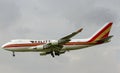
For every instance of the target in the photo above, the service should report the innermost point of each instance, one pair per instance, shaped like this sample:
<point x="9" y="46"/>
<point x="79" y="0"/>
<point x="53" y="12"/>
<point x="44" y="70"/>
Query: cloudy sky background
<point x="53" y="19"/>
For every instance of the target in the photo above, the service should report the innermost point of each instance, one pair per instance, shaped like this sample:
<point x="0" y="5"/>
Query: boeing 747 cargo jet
<point x="62" y="45"/>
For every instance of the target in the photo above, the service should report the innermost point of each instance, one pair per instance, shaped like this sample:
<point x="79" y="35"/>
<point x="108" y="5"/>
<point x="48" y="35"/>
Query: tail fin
<point x="102" y="33"/>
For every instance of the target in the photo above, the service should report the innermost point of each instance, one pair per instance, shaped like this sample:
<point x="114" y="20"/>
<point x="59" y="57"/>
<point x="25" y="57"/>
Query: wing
<point x="56" y="46"/>
<point x="73" y="34"/>
<point x="67" y="38"/>
<point x="62" y="40"/>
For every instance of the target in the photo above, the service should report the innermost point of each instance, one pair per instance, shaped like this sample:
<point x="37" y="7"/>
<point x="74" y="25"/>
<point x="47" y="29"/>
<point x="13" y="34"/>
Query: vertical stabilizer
<point x="102" y="33"/>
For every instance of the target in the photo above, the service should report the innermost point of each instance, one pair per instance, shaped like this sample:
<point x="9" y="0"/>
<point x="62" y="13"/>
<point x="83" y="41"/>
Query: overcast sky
<point x="53" y="19"/>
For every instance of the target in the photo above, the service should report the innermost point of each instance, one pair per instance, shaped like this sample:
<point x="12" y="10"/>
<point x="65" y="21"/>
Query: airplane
<point x="60" y="46"/>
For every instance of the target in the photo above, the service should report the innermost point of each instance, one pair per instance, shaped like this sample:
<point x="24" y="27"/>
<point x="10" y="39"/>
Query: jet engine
<point x="59" y="42"/>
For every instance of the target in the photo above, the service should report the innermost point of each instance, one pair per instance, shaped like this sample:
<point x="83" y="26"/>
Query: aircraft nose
<point x="3" y="46"/>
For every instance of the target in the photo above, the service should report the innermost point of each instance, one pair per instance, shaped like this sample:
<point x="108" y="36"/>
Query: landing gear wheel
<point x="57" y="54"/>
<point x="52" y="54"/>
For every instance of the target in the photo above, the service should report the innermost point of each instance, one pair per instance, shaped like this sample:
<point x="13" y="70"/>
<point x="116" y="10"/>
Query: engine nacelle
<point x="47" y="46"/>
<point x="43" y="54"/>
<point x="54" y="42"/>
<point x="58" y="42"/>
<point x="40" y="47"/>
<point x="61" y="41"/>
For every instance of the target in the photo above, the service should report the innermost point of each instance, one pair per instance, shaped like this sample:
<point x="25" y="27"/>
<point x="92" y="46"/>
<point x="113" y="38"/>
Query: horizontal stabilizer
<point x="105" y="39"/>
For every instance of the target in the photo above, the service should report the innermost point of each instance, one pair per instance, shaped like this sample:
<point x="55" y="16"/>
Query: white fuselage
<point x="30" y="45"/>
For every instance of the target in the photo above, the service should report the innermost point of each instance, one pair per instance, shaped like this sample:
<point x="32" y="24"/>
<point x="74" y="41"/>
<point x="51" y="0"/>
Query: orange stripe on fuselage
<point x="99" y="33"/>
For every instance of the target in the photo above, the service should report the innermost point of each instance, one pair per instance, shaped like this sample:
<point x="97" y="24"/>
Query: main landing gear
<point x="13" y="54"/>
<point x="52" y="54"/>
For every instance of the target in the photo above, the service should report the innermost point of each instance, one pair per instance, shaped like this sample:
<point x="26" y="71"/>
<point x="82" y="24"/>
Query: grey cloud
<point x="41" y="19"/>
<point x="100" y="16"/>
<point x="9" y="13"/>
<point x="95" y="15"/>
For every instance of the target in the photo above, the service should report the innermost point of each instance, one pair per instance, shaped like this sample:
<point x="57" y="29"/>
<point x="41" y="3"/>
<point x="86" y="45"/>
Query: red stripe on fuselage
<point x="23" y="45"/>
<point x="36" y="44"/>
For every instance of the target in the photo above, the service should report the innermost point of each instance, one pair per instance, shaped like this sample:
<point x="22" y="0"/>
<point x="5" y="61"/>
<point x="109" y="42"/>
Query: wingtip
<point x="111" y="22"/>
<point x="80" y="30"/>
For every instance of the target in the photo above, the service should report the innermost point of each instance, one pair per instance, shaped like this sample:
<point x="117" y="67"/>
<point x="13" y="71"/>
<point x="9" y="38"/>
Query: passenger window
<point x="32" y="41"/>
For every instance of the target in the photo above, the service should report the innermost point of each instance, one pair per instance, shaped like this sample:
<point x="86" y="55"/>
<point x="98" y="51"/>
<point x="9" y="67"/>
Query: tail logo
<point x="102" y="33"/>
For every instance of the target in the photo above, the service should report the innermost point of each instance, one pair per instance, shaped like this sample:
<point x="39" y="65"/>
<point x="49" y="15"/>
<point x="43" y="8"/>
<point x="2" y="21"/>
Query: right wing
<point x="73" y="34"/>
<point x="67" y="38"/>
<point x="56" y="46"/>
<point x="63" y="40"/>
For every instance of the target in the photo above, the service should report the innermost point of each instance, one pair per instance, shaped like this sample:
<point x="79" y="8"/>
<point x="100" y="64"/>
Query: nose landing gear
<point x="13" y="54"/>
